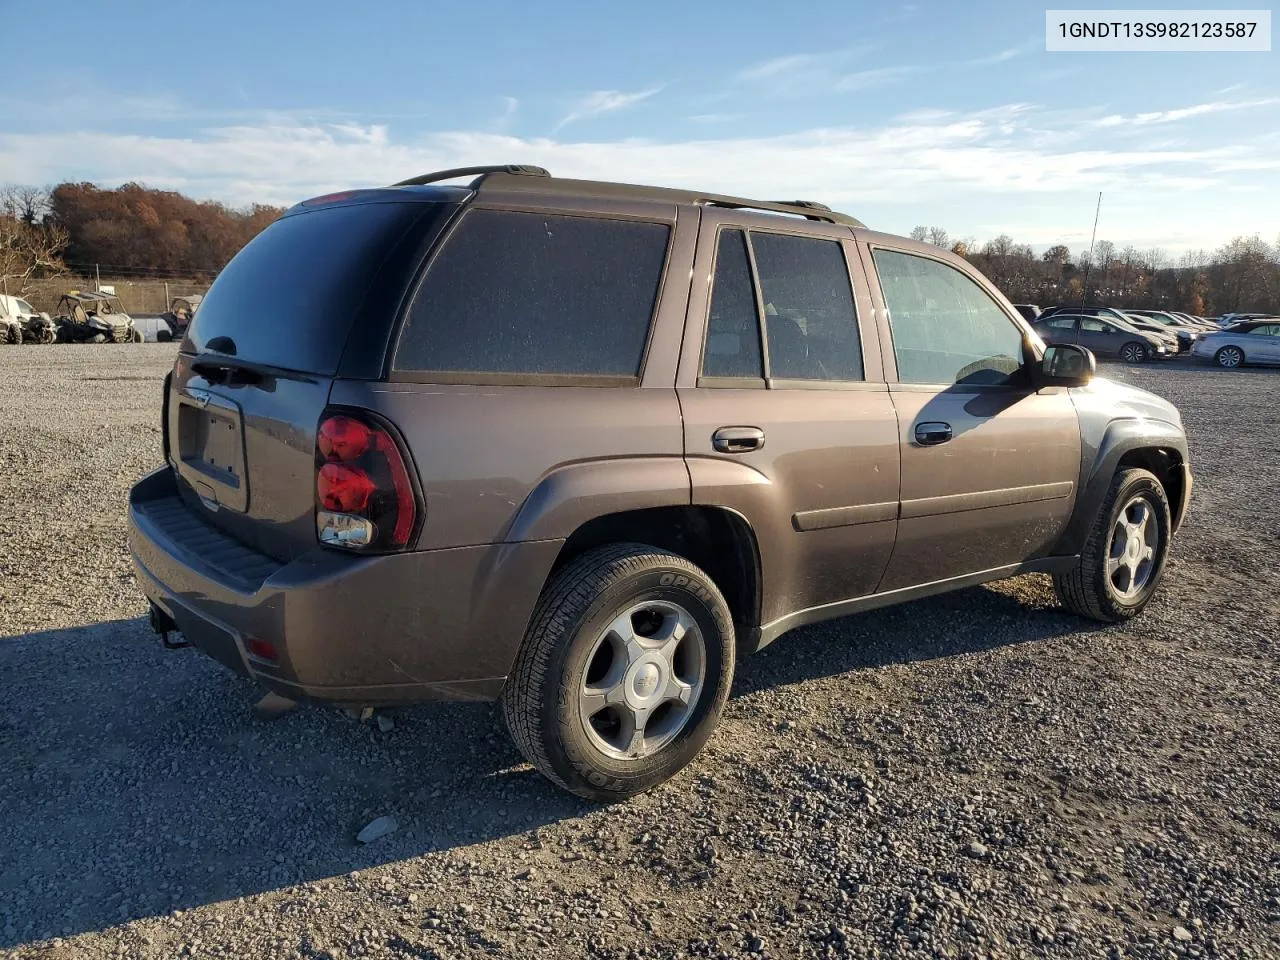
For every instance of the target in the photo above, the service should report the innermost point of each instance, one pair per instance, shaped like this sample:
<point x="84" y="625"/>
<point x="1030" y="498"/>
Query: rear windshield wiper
<point x="229" y="369"/>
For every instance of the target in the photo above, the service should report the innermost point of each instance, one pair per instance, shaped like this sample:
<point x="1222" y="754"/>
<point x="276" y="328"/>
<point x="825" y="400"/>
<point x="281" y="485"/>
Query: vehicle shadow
<point x="951" y="624"/>
<point x="135" y="782"/>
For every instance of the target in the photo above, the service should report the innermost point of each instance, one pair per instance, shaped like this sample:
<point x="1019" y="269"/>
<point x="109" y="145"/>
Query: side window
<point x="732" y="346"/>
<point x="946" y="328"/>
<point x="535" y="294"/>
<point x="810" y="324"/>
<point x="1062" y="323"/>
<point x="1093" y="325"/>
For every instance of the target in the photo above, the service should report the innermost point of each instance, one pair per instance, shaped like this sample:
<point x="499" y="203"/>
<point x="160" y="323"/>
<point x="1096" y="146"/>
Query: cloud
<point x="863" y="79"/>
<point x="1029" y="45"/>
<point x="959" y="168"/>
<point x="1182" y="113"/>
<point x="799" y="73"/>
<point x="604" y="101"/>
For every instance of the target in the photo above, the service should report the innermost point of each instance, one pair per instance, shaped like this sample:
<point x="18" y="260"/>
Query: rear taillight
<point x="364" y="495"/>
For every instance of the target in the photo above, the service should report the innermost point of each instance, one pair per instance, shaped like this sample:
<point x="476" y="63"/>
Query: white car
<point x="15" y="314"/>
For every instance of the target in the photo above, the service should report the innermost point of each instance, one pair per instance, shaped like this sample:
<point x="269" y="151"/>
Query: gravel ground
<point x="977" y="775"/>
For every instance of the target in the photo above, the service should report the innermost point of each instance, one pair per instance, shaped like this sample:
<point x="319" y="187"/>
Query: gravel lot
<point x="977" y="775"/>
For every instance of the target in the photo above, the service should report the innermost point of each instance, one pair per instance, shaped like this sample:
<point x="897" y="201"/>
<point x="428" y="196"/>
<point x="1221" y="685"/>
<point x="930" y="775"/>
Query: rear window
<point x="289" y="298"/>
<point x="528" y="294"/>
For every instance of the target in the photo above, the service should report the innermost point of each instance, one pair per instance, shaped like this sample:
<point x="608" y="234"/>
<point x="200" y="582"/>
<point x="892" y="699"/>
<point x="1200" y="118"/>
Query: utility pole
<point x="97" y="278"/>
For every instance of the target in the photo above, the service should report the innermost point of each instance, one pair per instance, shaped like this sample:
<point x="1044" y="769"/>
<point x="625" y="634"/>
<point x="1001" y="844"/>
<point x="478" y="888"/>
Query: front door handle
<point x="738" y="439"/>
<point x="932" y="434"/>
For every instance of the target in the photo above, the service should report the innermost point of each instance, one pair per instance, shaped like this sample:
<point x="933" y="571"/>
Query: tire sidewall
<point x="573" y="753"/>
<point x="1149" y="487"/>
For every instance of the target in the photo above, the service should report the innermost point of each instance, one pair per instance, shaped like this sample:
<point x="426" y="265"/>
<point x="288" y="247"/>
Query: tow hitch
<point x="163" y="624"/>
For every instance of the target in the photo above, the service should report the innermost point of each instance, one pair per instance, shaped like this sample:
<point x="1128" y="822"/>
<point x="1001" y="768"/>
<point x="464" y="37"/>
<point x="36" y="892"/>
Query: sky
<point x="901" y="114"/>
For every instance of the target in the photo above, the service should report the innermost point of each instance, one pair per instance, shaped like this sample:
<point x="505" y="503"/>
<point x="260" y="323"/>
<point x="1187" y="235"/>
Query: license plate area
<point x="211" y="449"/>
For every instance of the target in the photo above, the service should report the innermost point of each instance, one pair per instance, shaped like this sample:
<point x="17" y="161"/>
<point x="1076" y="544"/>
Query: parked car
<point x="1156" y="320"/>
<point x="1173" y="318"/>
<point x="1029" y="311"/>
<point x="1227" y="319"/>
<point x="19" y="320"/>
<point x="1246" y="342"/>
<point x="1169" y="336"/>
<point x="1087" y="311"/>
<point x="1109" y="337"/>
<point x="554" y="470"/>
<point x="94" y="317"/>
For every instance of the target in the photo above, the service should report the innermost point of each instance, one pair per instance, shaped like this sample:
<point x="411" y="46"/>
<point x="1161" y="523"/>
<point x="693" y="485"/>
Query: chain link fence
<point x="140" y="297"/>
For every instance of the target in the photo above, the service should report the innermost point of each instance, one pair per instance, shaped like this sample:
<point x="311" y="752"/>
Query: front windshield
<point x="25" y="307"/>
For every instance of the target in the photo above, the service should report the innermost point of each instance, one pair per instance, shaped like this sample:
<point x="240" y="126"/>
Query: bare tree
<point x="30" y="245"/>
<point x="920" y="233"/>
<point x="939" y="238"/>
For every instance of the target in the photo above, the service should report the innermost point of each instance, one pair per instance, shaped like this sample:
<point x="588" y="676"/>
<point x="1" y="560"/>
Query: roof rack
<point x="538" y="179"/>
<point x="515" y="169"/>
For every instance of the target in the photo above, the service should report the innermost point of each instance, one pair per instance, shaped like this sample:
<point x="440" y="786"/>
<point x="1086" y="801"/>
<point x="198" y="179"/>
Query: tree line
<point x="135" y="231"/>
<point x="128" y="231"/>
<point x="1243" y="275"/>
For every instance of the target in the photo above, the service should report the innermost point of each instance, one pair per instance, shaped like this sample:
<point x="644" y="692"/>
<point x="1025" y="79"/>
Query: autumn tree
<point x="137" y="229"/>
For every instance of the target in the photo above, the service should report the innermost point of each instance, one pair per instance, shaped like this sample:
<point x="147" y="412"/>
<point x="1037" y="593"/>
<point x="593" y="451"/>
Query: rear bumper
<point x="350" y="629"/>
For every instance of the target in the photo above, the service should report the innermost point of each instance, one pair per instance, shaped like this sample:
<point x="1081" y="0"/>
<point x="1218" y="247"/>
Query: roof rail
<point x="516" y="169"/>
<point x="808" y="209"/>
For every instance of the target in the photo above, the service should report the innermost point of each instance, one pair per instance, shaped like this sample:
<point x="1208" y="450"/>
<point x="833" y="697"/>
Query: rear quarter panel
<point x="481" y="451"/>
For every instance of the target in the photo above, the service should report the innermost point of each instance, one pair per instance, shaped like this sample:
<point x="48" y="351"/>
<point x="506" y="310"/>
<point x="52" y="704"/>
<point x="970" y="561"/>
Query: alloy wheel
<point x="1131" y="554"/>
<point x="1133" y="353"/>
<point x="643" y="679"/>
<point x="1230" y="357"/>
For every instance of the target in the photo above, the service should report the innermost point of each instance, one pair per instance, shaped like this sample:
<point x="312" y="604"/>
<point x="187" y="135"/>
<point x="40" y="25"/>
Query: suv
<point x="576" y="446"/>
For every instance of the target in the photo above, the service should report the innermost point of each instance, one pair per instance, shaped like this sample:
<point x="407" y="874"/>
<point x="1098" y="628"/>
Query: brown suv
<point x="578" y="445"/>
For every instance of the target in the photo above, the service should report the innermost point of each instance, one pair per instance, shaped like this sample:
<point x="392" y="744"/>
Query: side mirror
<point x="1065" y="365"/>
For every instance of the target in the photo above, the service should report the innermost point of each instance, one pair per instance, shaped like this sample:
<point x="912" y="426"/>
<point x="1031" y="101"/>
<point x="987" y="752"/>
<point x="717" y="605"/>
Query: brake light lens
<point x="344" y="488"/>
<point x="365" y="498"/>
<point x="343" y="438"/>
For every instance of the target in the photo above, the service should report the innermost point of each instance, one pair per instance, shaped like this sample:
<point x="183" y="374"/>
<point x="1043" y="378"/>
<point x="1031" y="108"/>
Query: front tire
<point x="1133" y="353"/>
<point x="1229" y="357"/>
<point x="1123" y="560"/>
<point x="623" y="673"/>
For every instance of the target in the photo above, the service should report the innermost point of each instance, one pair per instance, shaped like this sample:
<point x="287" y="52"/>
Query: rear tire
<point x="137" y="336"/>
<point x="15" y="335"/>
<point x="1133" y="353"/>
<point x="1114" y="578"/>
<point x="1229" y="357"/>
<point x="555" y="702"/>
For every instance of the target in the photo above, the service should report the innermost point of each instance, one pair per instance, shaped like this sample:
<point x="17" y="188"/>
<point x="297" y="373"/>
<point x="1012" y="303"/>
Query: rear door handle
<point x="932" y="434"/>
<point x="738" y="439"/>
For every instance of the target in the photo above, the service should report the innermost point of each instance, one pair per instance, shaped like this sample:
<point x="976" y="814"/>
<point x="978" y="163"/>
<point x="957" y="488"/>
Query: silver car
<point x="1254" y="342"/>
